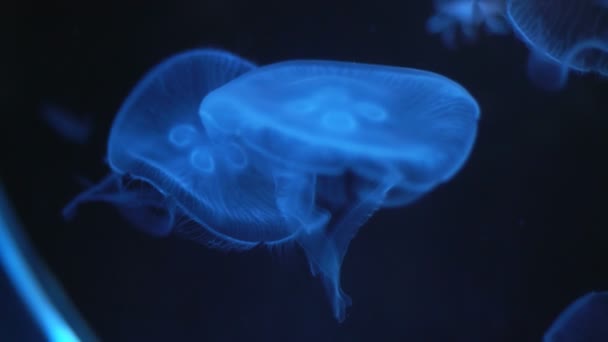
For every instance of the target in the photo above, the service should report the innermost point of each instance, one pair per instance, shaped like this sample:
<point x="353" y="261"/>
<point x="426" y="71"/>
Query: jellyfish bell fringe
<point x="563" y="36"/>
<point x="300" y="152"/>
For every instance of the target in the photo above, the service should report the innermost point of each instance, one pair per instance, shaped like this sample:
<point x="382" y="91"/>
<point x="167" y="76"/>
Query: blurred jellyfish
<point x="468" y="16"/>
<point x="51" y="316"/>
<point x="73" y="128"/>
<point x="585" y="320"/>
<point x="563" y="36"/>
<point x="297" y="152"/>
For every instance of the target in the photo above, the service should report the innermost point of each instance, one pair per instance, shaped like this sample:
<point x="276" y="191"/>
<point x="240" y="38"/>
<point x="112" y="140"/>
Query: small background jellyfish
<point x="465" y="18"/>
<point x="584" y="320"/>
<point x="297" y="152"/>
<point x="563" y="36"/>
<point x="74" y="128"/>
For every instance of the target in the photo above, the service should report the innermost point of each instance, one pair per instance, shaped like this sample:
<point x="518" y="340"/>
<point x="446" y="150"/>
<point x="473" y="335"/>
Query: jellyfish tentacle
<point x="140" y="204"/>
<point x="104" y="190"/>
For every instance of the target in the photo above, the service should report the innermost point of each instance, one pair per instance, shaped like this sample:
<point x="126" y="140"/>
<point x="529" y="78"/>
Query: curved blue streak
<point x="27" y="285"/>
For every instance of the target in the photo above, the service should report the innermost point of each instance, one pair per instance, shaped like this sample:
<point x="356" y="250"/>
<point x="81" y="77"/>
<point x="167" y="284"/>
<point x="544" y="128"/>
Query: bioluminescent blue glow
<point x="563" y="36"/>
<point x="465" y="18"/>
<point x="73" y="128"/>
<point x="29" y="286"/>
<point x="164" y="104"/>
<point x="585" y="320"/>
<point x="297" y="152"/>
<point x="545" y="73"/>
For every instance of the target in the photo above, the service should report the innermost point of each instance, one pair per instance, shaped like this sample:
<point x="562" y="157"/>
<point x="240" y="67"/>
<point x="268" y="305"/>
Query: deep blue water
<point x="493" y="255"/>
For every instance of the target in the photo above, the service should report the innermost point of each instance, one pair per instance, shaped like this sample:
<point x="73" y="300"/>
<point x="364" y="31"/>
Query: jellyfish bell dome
<point x="165" y="103"/>
<point x="323" y="116"/>
<point x="341" y="140"/>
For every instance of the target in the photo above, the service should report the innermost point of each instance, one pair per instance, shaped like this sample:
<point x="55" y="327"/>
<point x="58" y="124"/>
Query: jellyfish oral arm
<point x="326" y="249"/>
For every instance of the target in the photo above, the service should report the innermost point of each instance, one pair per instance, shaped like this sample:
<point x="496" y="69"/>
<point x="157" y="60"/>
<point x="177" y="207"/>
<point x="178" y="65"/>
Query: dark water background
<point x="494" y="255"/>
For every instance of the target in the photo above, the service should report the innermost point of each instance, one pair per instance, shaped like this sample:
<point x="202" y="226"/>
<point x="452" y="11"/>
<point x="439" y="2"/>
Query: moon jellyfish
<point x="163" y="104"/>
<point x="563" y="36"/>
<point x="294" y="153"/>
<point x="586" y="319"/>
<point x="467" y="17"/>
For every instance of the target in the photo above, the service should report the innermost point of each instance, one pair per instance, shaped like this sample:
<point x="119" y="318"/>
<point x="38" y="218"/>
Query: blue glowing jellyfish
<point x="585" y="320"/>
<point x="164" y="103"/>
<point x="563" y="36"/>
<point x="467" y="17"/>
<point x="297" y="152"/>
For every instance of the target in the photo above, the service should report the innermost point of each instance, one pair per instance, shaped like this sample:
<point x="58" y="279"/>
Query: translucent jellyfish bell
<point x="152" y="137"/>
<point x="585" y="320"/>
<point x="339" y="140"/>
<point x="563" y="36"/>
<point x="468" y="17"/>
<point x="158" y="137"/>
<point x="295" y="152"/>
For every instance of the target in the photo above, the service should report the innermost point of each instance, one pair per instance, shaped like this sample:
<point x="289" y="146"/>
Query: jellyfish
<point x="586" y="319"/>
<point x="73" y="128"/>
<point x="296" y="153"/>
<point x="468" y="16"/>
<point x="563" y="36"/>
<point x="164" y="99"/>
